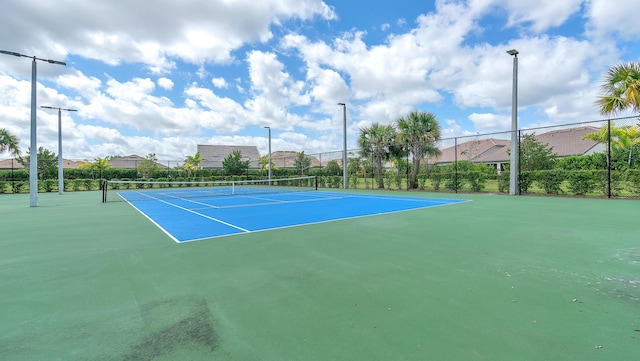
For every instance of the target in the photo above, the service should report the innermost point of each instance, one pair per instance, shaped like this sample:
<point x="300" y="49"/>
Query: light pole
<point x="345" y="183"/>
<point x="33" y="159"/>
<point x="60" y="161"/>
<point x="513" y="170"/>
<point x="269" y="128"/>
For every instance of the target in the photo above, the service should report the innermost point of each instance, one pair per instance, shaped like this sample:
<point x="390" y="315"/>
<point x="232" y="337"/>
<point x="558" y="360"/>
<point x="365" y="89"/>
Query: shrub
<point x="48" y="185"/>
<point x="525" y="179"/>
<point x="422" y="181"/>
<point x="76" y="184"/>
<point x="601" y="181"/>
<point x="476" y="180"/>
<point x="17" y="187"/>
<point x="353" y="181"/>
<point x="3" y="186"/>
<point x="453" y="181"/>
<point x="335" y="181"/>
<point x="581" y="182"/>
<point x="550" y="180"/>
<point x="436" y="179"/>
<point x="503" y="182"/>
<point x="633" y="177"/>
<point x="88" y="184"/>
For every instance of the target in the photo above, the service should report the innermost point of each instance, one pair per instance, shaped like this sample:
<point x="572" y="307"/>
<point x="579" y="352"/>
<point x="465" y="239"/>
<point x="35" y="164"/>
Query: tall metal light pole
<point x="513" y="169"/>
<point x="269" y="128"/>
<point x="345" y="183"/>
<point x="33" y="160"/>
<point x="60" y="161"/>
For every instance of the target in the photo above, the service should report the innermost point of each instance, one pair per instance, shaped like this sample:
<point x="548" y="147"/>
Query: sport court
<point x="196" y="214"/>
<point x="497" y="278"/>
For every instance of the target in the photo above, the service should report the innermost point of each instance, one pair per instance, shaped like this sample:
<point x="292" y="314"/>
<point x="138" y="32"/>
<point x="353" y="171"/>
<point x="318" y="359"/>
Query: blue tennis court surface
<point x="192" y="219"/>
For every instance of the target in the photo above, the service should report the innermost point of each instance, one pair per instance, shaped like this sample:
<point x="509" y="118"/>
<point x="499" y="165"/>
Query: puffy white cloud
<point x="197" y="32"/>
<point x="607" y="18"/>
<point x="165" y="83"/>
<point x="542" y="14"/>
<point x="219" y="83"/>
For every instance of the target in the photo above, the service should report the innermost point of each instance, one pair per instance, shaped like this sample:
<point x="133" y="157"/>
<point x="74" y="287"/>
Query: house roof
<point x="130" y="162"/>
<point x="213" y="155"/>
<point x="566" y="142"/>
<point x="14" y="164"/>
<point x="10" y="164"/>
<point x="563" y="142"/>
<point x="287" y="158"/>
<point x="471" y="150"/>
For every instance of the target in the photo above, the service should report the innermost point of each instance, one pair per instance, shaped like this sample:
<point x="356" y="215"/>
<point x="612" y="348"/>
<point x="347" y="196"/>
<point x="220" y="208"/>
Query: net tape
<point x="117" y="190"/>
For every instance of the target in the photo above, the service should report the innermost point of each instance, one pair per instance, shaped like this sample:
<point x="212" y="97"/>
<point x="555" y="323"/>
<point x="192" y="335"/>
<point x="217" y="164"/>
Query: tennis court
<point x="496" y="278"/>
<point x="200" y="213"/>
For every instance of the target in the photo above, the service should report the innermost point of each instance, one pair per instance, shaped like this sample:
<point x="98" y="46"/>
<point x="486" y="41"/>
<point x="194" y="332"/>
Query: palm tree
<point x="629" y="138"/>
<point x="621" y="89"/>
<point x="192" y="163"/>
<point x="625" y="138"/>
<point x="603" y="136"/>
<point x="9" y="142"/>
<point x="377" y="140"/>
<point x="418" y="133"/>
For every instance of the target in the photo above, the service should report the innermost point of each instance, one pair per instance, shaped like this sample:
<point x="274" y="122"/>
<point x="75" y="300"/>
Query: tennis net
<point x="118" y="190"/>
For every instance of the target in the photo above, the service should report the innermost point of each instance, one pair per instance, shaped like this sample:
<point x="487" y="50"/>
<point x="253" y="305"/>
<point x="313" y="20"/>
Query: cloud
<point x="489" y="122"/>
<point x="196" y="32"/>
<point x="219" y="83"/>
<point x="607" y="19"/>
<point x="540" y="15"/>
<point x="165" y="83"/>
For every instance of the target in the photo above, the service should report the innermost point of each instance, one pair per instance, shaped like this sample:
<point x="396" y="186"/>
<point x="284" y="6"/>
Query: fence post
<point x="455" y="166"/>
<point x="407" y="168"/>
<point x="519" y="163"/>
<point x="609" y="158"/>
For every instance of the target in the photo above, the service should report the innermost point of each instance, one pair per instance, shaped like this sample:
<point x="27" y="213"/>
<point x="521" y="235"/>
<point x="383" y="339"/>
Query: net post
<point x="316" y="180"/>
<point x="104" y="190"/>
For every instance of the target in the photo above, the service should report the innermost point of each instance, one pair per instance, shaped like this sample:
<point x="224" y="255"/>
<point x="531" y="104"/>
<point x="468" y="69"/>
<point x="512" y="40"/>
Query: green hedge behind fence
<point x="556" y="181"/>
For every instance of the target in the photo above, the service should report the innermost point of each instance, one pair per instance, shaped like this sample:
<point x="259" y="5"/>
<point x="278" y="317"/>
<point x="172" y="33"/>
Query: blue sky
<point x="166" y="78"/>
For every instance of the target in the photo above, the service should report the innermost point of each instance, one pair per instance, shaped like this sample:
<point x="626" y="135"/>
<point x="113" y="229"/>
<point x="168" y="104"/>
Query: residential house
<point x="495" y="152"/>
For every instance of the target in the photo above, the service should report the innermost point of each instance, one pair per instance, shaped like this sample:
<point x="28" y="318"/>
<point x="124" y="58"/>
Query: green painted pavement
<point x="498" y="278"/>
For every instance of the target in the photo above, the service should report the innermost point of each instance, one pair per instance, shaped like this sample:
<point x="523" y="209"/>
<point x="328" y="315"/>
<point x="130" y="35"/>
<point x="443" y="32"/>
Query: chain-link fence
<point x="598" y="159"/>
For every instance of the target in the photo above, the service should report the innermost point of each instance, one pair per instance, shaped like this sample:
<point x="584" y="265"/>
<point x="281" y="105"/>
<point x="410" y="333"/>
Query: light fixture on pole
<point x="269" y="166"/>
<point x="345" y="183"/>
<point x="60" y="161"/>
<point x="515" y="151"/>
<point x="33" y="159"/>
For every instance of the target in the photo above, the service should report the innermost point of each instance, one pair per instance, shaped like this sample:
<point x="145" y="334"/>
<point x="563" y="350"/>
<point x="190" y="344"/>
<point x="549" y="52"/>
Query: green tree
<point x="620" y="89"/>
<point x="377" y="140"/>
<point x="148" y="166"/>
<point x="47" y="163"/>
<point x="333" y="168"/>
<point x="9" y="143"/>
<point x="629" y="139"/>
<point x="625" y="138"/>
<point x="535" y="155"/>
<point x="99" y="165"/>
<point x="302" y="163"/>
<point x="418" y="133"/>
<point x="192" y="164"/>
<point x="234" y="165"/>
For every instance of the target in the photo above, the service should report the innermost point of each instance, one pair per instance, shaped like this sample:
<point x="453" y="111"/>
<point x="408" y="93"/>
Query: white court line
<point x="441" y="204"/>
<point x="276" y="201"/>
<point x="194" y="212"/>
